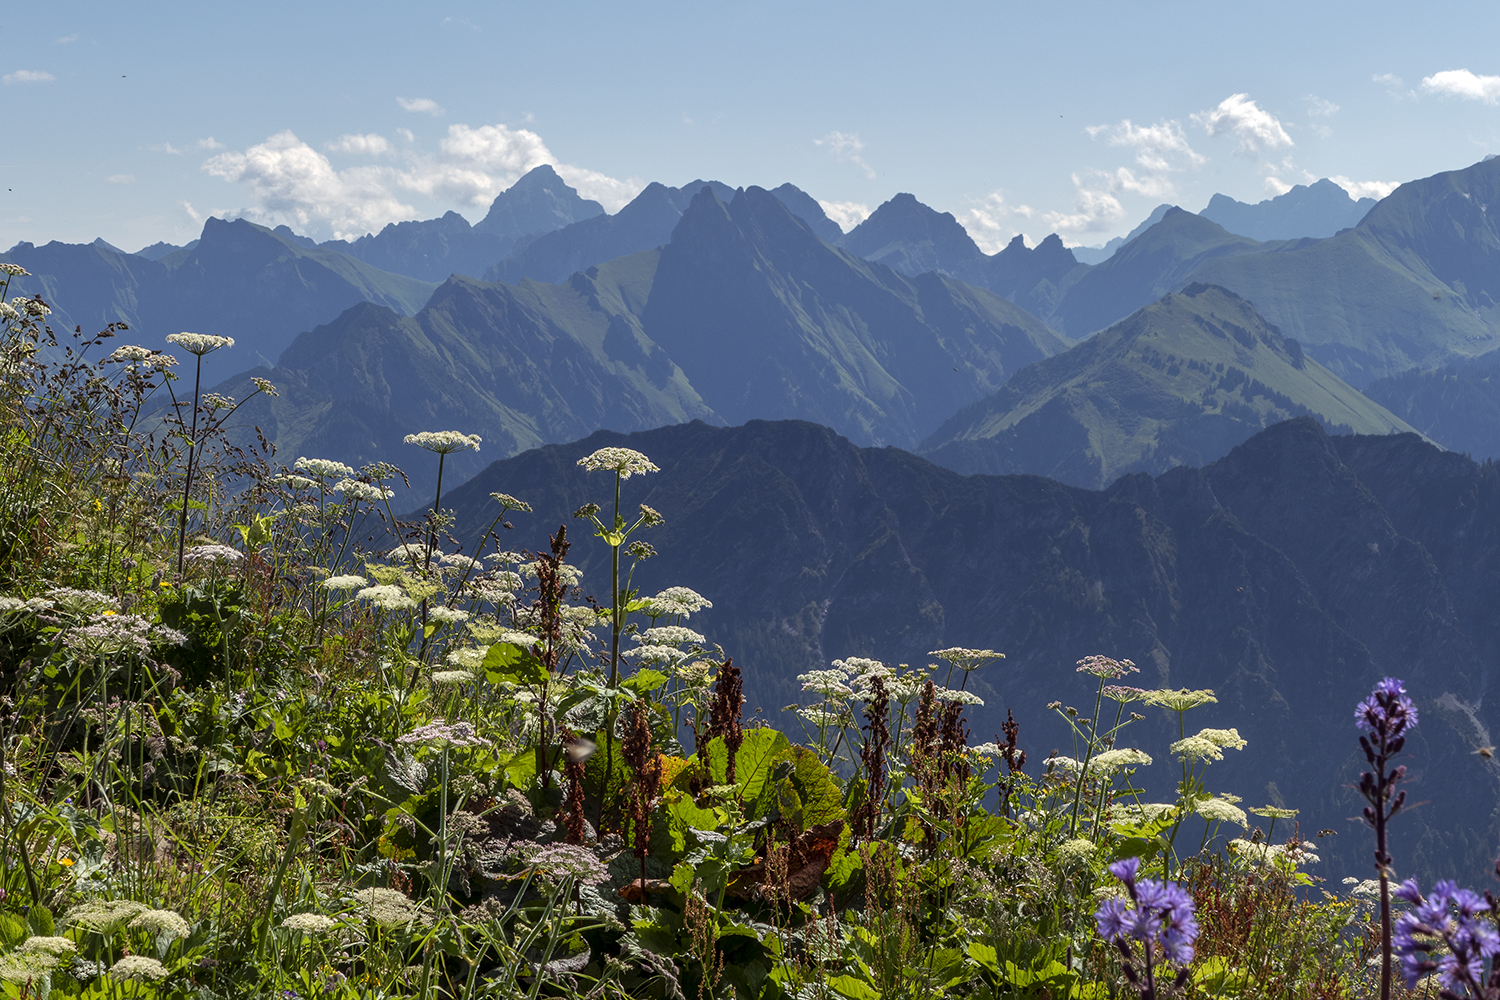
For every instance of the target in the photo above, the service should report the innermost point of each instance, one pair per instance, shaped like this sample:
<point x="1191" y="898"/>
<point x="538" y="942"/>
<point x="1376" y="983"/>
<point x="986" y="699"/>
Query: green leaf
<point x="507" y="661"/>
<point x="821" y="799"/>
<point x="644" y="681"/>
<point x="985" y="955"/>
<point x="854" y="989"/>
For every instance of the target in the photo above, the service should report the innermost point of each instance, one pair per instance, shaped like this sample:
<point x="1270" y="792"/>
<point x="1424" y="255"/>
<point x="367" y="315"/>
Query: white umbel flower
<point x="444" y="442"/>
<point x="625" y="461"/>
<point x="199" y="343"/>
<point x="323" y="468"/>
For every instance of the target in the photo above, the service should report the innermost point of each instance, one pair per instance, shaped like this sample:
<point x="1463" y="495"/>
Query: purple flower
<point x="1387" y="710"/>
<point x="1159" y="913"/>
<point x="1431" y="924"/>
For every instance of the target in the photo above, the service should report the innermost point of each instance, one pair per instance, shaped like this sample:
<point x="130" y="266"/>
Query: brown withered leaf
<point x="806" y="859"/>
<point x="635" y="892"/>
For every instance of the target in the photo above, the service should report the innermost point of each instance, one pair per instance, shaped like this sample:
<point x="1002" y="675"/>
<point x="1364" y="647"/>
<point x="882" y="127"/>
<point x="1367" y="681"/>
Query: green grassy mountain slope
<point x="745" y="313"/>
<point x="1181" y="382"/>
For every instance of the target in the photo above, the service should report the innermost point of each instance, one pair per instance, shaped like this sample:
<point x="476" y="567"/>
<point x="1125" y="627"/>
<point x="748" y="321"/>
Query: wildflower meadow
<point x="259" y="736"/>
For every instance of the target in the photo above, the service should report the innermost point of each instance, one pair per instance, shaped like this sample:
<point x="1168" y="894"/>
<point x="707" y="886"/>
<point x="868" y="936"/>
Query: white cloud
<point x="165" y="147"/>
<point x="847" y="214"/>
<point x="210" y="143"/>
<point x="1158" y="148"/>
<point x="846" y="147"/>
<point x="296" y="184"/>
<point x="121" y="178"/>
<point x="27" y="76"/>
<point x="366" y="145"/>
<point x="192" y="213"/>
<point x="988" y="222"/>
<point x="1394" y="85"/>
<point x="1257" y="129"/>
<point x="1276" y="187"/>
<point x="406" y="134"/>
<point x="1458" y="83"/>
<point x="1096" y="209"/>
<point x="422" y="105"/>
<point x="66" y="39"/>
<point x="293" y="183"/>
<point x="1317" y="107"/>
<point x="1365" y="189"/>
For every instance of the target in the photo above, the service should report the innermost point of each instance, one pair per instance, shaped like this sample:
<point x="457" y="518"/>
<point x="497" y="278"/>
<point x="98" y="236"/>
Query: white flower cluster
<point x="31" y="605"/>
<point x="29" y="307"/>
<point x="1278" y="854"/>
<point x="670" y="655"/>
<point x="967" y="659"/>
<point x="130" y="352"/>
<point x="163" y="923"/>
<point x="444" y="442"/>
<point x="459" y="561"/>
<point x="446" y="615"/>
<point x="323" y="468"/>
<point x="14" y="270"/>
<point x="309" y="923"/>
<point x="669" y="635"/>
<point x="215" y="401"/>
<point x="387" y="597"/>
<point x="108" y="633"/>
<point x="440" y="733"/>
<point x="1207" y="744"/>
<point x="80" y="601"/>
<point x="212" y="553"/>
<point x="442" y="677"/>
<point x="569" y="574"/>
<point x="137" y="968"/>
<point x="199" y="343"/>
<point x="625" y="462"/>
<point x="264" y="385"/>
<point x="511" y="503"/>
<point x="368" y="492"/>
<point x="675" y="601"/>
<point x="1222" y="811"/>
<point x="348" y="582"/>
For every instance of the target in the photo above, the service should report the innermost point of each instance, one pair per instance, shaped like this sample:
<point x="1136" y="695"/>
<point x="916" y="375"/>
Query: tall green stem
<point x="187" y="484"/>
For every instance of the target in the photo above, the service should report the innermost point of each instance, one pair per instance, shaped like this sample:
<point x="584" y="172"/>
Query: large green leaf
<point x="507" y="661"/>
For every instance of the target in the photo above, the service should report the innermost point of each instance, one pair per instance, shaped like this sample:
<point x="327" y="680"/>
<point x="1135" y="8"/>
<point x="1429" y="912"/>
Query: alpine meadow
<point x="431" y="567"/>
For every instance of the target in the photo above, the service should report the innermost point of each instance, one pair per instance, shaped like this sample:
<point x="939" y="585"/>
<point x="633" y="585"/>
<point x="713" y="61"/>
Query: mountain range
<point x="1288" y="576"/>
<point x="1180" y="382"/>
<point x="744" y="313"/>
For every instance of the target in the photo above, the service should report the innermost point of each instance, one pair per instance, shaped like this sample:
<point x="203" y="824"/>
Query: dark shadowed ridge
<point x="1288" y="576"/>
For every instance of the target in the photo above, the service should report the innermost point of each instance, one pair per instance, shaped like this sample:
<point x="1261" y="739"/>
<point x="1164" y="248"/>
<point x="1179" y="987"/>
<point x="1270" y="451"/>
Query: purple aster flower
<point x="1158" y="913"/>
<point x="1110" y="918"/>
<point x="1432" y="924"/>
<point x="1387" y="711"/>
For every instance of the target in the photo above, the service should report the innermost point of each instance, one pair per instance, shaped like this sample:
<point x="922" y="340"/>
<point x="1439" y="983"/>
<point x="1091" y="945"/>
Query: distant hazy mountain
<point x="1100" y="254"/>
<point x="1033" y="278"/>
<point x="1181" y="382"/>
<point x="157" y="251"/>
<point x="1158" y="261"/>
<point x="644" y="224"/>
<point x="744" y="313"/>
<point x="906" y="235"/>
<point x="239" y="280"/>
<point x="1319" y="209"/>
<point x="1412" y="285"/>
<point x="540" y="202"/>
<point x="1458" y="405"/>
<point x="1288" y="576"/>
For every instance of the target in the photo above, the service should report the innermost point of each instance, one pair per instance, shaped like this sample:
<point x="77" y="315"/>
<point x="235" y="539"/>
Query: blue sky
<point x="134" y="122"/>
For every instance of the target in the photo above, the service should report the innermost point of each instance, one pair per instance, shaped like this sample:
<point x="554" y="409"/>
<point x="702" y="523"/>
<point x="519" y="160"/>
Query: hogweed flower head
<point x="444" y="442"/>
<point x="1181" y="699"/>
<point x="390" y="908"/>
<point x="212" y="553"/>
<point x="161" y="922"/>
<point x="348" y="582"/>
<point x="441" y="734"/>
<point x="1106" y="667"/>
<point x="138" y="968"/>
<point x="14" y="270"/>
<point x="510" y="503"/>
<point x="571" y="859"/>
<point x="967" y="659"/>
<point x="625" y="462"/>
<point x="669" y="635"/>
<point x="387" y="597"/>
<point x="199" y="343"/>
<point x="130" y="352"/>
<point x="323" y="468"/>
<point x="309" y="923"/>
<point x="1124" y="694"/>
<point x="680" y="601"/>
<point x="1222" y="811"/>
<point x="264" y="385"/>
